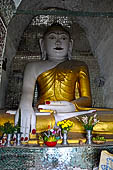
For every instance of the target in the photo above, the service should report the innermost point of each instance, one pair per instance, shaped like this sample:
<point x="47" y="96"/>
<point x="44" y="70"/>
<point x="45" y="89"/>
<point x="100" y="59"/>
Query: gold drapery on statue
<point x="68" y="81"/>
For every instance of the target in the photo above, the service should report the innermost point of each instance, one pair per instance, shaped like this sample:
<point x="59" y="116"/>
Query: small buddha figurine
<point x="63" y="84"/>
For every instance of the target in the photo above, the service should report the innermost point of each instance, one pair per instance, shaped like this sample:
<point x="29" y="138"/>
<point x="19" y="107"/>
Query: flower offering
<point x="89" y="121"/>
<point x="65" y="125"/>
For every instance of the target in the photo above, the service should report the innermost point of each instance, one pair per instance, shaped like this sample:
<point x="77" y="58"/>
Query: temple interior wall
<point x="104" y="51"/>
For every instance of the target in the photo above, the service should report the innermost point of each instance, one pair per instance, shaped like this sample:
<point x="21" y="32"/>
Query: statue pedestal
<point x="60" y="157"/>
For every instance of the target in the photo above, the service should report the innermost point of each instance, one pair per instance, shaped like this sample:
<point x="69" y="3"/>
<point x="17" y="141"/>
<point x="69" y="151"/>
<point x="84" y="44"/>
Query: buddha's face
<point x="57" y="44"/>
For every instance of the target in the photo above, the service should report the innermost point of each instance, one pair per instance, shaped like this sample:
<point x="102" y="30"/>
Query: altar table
<point x="72" y="157"/>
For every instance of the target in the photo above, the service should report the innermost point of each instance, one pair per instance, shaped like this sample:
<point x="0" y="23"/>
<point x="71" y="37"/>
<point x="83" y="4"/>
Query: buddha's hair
<point x="56" y="26"/>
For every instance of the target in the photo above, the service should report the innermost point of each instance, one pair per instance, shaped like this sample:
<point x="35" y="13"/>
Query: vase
<point x="8" y="143"/>
<point x="89" y="136"/>
<point x="18" y="139"/>
<point x="65" y="136"/>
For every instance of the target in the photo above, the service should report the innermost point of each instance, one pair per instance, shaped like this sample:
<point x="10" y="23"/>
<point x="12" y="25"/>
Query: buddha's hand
<point x="91" y="111"/>
<point x="58" y="106"/>
<point x="28" y="119"/>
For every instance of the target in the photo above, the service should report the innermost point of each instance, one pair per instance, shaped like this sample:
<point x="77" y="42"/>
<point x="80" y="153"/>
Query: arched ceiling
<point x="94" y="27"/>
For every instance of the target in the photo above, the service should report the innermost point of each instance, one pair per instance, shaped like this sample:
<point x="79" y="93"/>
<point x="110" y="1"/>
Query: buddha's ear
<point x="43" y="51"/>
<point x="70" y="49"/>
<point x="71" y="45"/>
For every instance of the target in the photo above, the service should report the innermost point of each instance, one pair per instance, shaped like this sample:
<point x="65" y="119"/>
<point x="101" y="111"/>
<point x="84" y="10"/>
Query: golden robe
<point x="68" y="81"/>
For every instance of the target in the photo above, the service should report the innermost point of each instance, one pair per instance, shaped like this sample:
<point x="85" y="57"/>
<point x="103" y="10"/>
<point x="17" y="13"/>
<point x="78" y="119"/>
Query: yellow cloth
<point x="5" y="118"/>
<point x="104" y="127"/>
<point x="66" y="82"/>
<point x="42" y="123"/>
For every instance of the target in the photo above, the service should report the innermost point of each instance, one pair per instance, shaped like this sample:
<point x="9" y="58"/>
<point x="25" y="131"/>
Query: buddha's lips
<point x="58" y="48"/>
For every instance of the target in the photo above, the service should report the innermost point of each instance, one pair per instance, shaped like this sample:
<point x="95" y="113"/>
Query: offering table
<point x="71" y="157"/>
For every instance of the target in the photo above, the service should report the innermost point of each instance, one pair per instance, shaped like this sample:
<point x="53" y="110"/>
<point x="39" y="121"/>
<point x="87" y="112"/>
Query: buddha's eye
<point x="52" y="37"/>
<point x="64" y="37"/>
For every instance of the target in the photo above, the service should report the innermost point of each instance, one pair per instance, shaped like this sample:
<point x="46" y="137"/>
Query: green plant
<point x="99" y="138"/>
<point x="7" y="128"/>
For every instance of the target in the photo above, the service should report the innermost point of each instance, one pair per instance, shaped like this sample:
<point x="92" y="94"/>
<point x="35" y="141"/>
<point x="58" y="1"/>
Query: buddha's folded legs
<point x="105" y="125"/>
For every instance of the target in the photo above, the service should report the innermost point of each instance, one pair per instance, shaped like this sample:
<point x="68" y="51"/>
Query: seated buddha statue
<point x="63" y="85"/>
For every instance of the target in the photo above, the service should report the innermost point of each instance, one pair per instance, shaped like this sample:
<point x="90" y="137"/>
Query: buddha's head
<point x="56" y="43"/>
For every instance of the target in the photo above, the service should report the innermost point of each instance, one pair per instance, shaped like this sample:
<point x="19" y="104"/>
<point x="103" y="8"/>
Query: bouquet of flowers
<point x="50" y="135"/>
<point x="89" y="121"/>
<point x="65" y="125"/>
